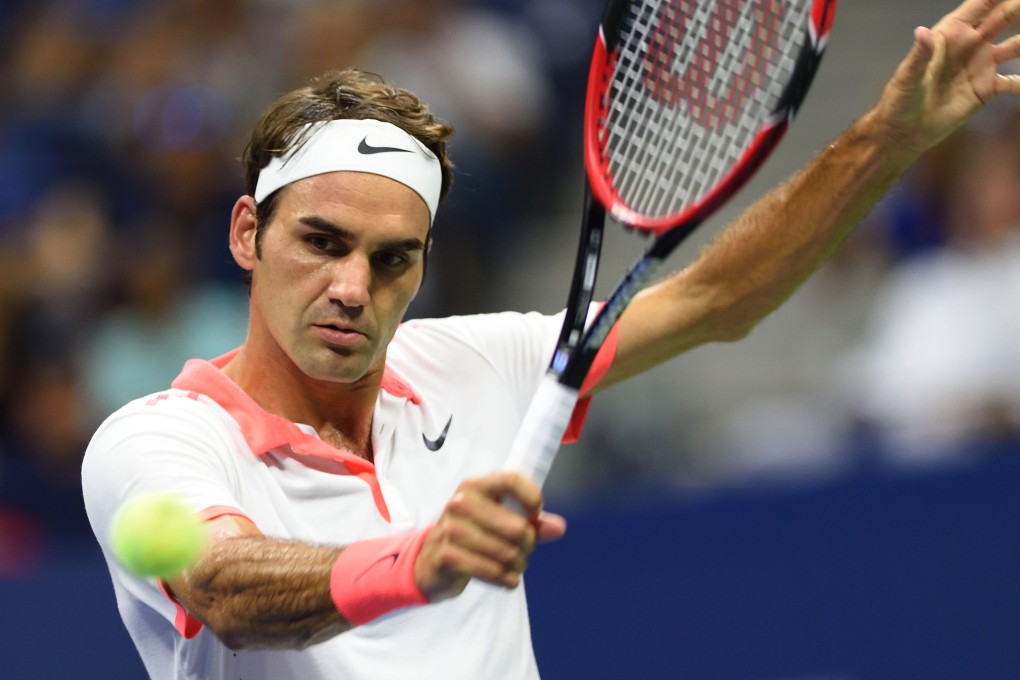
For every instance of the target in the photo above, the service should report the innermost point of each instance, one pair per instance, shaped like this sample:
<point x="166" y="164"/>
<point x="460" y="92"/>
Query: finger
<point x="1007" y="84"/>
<point x="475" y="504"/>
<point x="467" y="533"/>
<point x="500" y="485"/>
<point x="471" y="564"/>
<point x="1002" y="17"/>
<point x="972" y="12"/>
<point x="1007" y="50"/>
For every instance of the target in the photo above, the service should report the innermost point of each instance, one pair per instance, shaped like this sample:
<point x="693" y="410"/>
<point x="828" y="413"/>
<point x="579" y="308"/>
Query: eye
<point x="320" y="242"/>
<point x="392" y="259"/>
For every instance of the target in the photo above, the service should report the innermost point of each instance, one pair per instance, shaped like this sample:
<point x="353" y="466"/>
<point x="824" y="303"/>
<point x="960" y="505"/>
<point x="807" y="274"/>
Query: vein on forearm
<point x="260" y="592"/>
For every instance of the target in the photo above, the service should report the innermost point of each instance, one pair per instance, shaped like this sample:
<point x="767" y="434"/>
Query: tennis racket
<point x="685" y="101"/>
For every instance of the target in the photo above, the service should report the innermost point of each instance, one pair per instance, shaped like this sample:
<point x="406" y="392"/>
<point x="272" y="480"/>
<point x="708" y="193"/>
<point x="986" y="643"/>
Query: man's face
<point x="340" y="262"/>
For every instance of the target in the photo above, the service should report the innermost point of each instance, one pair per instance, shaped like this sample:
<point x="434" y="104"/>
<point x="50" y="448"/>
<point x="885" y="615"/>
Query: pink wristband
<point x="376" y="576"/>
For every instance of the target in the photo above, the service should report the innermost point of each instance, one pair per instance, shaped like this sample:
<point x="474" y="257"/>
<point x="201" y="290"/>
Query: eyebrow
<point x="321" y="224"/>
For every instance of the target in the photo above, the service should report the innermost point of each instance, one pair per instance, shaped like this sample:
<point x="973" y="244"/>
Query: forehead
<point x="351" y="198"/>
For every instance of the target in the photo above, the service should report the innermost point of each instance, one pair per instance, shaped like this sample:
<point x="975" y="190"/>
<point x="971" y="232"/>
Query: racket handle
<point x="542" y="429"/>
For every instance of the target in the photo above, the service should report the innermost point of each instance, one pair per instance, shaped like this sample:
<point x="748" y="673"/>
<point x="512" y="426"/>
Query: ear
<point x="243" y="226"/>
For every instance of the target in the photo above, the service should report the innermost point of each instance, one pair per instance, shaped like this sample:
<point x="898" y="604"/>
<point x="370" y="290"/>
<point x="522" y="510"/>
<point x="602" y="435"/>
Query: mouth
<point x="338" y="334"/>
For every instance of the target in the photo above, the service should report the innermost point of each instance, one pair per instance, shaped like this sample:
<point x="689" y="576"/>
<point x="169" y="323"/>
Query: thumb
<point x="550" y="526"/>
<point x="915" y="64"/>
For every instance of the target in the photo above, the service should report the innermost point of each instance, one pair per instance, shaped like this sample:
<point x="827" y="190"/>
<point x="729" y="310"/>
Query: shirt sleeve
<point x="171" y="444"/>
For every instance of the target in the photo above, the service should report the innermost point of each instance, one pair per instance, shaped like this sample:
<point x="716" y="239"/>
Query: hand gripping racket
<point x="685" y="101"/>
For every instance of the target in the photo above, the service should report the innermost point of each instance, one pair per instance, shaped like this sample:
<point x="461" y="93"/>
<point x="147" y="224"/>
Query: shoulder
<point x="507" y="348"/>
<point x="478" y="329"/>
<point x="493" y="340"/>
<point x="171" y="415"/>
<point x="167" y="435"/>
<point x="183" y="406"/>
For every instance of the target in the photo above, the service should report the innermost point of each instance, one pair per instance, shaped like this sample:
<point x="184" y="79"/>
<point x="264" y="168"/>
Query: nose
<point x="351" y="282"/>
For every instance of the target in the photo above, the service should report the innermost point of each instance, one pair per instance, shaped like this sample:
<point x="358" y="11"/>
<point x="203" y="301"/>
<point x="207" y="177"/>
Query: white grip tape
<point x="542" y="429"/>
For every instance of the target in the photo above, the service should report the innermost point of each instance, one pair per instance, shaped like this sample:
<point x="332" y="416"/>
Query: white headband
<point x="361" y="146"/>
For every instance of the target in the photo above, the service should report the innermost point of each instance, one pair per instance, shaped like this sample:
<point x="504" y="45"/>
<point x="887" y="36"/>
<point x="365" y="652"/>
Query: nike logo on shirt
<point x="367" y="149"/>
<point x="437" y="443"/>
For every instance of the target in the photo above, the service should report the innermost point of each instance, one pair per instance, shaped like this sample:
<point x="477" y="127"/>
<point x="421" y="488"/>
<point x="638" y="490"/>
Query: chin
<point x="331" y="369"/>
<point x="337" y="375"/>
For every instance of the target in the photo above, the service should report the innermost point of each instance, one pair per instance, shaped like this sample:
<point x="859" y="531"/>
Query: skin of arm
<point x="757" y="262"/>
<point x="256" y="592"/>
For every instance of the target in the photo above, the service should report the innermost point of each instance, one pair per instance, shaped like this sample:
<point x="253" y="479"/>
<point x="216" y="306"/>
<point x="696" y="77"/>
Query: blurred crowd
<point x="120" y="130"/>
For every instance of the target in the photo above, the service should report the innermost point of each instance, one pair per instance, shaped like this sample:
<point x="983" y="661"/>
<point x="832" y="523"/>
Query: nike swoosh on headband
<point x="367" y="149"/>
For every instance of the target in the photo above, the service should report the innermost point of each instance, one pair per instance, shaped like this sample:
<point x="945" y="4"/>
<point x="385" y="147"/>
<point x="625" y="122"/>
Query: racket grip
<point x="542" y="428"/>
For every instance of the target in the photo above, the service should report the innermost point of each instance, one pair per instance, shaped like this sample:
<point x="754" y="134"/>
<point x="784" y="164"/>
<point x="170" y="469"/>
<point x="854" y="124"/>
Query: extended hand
<point x="478" y="537"/>
<point x="951" y="72"/>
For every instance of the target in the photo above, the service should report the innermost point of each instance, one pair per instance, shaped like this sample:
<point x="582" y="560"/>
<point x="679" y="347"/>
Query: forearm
<point x="256" y="592"/>
<point x="760" y="259"/>
<point x="777" y="243"/>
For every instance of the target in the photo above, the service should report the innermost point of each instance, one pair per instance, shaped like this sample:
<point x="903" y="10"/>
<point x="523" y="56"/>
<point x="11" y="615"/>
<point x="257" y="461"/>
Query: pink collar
<point x="264" y="431"/>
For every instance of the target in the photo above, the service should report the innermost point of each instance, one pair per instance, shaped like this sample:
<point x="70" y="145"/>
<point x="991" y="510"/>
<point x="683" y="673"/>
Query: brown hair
<point x="334" y="95"/>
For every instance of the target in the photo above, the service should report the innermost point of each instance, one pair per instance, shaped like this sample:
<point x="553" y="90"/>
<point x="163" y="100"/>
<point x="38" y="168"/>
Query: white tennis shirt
<point x="454" y="391"/>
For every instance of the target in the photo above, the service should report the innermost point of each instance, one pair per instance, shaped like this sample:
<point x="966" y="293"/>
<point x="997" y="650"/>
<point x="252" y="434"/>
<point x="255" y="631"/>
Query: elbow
<point x="241" y="633"/>
<point x="220" y="619"/>
<point x="233" y="636"/>
<point x="231" y="642"/>
<point x="726" y="324"/>
<point x="734" y="332"/>
<point x="236" y="638"/>
<point x="731" y="318"/>
<point x="716" y="313"/>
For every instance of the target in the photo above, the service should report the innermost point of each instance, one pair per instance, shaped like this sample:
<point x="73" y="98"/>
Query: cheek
<point x="396" y="304"/>
<point x="410" y="290"/>
<point x="288" y="274"/>
<point x="283" y="289"/>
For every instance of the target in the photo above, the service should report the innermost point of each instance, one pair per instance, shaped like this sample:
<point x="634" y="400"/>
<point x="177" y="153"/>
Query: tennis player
<point x="342" y="461"/>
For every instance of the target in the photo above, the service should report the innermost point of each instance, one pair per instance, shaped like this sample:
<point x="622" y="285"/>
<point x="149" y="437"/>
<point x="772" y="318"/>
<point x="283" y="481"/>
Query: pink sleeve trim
<point x="598" y="370"/>
<point x="186" y="624"/>
<point x="217" y="511"/>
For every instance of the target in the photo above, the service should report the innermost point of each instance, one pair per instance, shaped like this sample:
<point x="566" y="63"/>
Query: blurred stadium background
<point x="829" y="498"/>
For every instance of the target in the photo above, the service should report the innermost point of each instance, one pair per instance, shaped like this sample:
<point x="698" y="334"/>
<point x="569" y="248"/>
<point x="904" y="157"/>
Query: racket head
<point x="687" y="98"/>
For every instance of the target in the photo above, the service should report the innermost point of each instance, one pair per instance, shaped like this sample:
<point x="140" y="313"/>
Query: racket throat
<point x="586" y="267"/>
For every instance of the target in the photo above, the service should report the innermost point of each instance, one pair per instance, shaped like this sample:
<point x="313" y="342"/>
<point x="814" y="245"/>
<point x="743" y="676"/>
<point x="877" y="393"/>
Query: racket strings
<point x="693" y="84"/>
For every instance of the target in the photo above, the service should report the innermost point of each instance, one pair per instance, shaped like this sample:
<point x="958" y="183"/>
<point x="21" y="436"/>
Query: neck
<point x="341" y="413"/>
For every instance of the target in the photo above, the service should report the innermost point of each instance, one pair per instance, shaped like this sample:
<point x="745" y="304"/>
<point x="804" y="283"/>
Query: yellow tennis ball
<point x="156" y="535"/>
